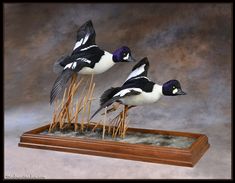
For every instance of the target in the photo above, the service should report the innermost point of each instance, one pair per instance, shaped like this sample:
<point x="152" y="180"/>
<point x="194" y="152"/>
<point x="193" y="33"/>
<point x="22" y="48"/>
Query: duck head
<point x="172" y="88"/>
<point x="123" y="54"/>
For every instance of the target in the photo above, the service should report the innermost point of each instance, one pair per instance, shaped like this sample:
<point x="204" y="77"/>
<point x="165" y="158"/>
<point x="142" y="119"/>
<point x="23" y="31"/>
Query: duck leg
<point x="121" y="123"/>
<point x="115" y="106"/>
<point x="129" y="107"/>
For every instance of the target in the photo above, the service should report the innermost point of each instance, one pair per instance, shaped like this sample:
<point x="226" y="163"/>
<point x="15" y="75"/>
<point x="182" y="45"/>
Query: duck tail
<point x="108" y="94"/>
<point x="107" y="99"/>
<point x="60" y="83"/>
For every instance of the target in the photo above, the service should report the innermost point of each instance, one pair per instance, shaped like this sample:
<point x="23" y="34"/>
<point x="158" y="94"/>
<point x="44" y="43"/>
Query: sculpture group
<point x="88" y="59"/>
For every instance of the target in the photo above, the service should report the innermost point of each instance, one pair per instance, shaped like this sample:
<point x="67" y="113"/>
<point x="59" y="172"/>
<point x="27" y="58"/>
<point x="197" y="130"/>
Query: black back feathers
<point x="143" y="83"/>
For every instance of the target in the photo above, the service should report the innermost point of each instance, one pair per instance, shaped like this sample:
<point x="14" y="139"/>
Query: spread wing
<point x="60" y="84"/>
<point x="85" y="37"/>
<point x="140" y="69"/>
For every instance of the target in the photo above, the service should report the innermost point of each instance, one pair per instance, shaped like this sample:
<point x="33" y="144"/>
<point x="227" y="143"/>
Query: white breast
<point x="105" y="63"/>
<point x="145" y="97"/>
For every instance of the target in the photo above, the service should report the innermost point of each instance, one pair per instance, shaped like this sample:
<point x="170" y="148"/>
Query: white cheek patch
<point x="136" y="72"/>
<point x="126" y="57"/>
<point x="175" y="91"/>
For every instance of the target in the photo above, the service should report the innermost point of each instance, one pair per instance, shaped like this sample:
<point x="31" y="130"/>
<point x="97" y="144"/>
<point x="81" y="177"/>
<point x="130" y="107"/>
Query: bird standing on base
<point x="86" y="58"/>
<point x="138" y="89"/>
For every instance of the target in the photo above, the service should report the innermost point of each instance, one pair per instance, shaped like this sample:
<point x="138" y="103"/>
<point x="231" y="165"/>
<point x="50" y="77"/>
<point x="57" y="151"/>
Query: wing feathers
<point x="60" y="83"/>
<point x="85" y="37"/>
<point x="140" y="69"/>
<point x="128" y="92"/>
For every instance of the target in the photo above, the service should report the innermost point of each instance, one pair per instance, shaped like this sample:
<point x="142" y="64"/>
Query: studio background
<point x="187" y="42"/>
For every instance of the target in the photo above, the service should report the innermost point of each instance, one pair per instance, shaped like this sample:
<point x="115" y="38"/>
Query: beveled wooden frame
<point x="140" y="152"/>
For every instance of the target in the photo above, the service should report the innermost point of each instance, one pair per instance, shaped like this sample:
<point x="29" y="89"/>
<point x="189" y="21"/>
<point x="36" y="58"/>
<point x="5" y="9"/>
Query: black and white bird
<point x="138" y="89"/>
<point x="86" y="58"/>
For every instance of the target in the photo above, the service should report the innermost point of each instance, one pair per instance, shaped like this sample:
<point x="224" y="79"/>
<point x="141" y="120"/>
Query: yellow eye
<point x="173" y="87"/>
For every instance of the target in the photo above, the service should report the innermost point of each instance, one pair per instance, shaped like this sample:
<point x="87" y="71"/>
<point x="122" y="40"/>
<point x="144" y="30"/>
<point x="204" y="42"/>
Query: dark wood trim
<point x="141" y="152"/>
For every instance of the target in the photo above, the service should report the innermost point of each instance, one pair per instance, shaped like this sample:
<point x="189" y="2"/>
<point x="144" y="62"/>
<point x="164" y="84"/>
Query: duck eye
<point x="173" y="87"/>
<point x="124" y="54"/>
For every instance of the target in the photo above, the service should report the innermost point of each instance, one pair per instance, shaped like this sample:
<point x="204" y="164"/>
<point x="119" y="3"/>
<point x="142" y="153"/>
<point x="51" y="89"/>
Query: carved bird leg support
<point x="120" y="120"/>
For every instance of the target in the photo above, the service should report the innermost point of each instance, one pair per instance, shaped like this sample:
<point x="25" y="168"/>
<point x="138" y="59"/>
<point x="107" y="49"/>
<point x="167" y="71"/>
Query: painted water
<point x="130" y="137"/>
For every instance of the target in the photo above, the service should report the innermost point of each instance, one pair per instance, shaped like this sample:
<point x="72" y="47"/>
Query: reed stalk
<point x="78" y="109"/>
<point x="105" y="115"/>
<point x="87" y="98"/>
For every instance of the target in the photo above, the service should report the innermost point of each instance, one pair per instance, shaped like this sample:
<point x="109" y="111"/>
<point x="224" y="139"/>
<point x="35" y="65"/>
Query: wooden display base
<point x="141" y="152"/>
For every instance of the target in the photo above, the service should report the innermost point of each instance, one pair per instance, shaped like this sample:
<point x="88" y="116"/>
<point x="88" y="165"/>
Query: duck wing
<point x="60" y="84"/>
<point x="139" y="70"/>
<point x="81" y="59"/>
<point x="85" y="37"/>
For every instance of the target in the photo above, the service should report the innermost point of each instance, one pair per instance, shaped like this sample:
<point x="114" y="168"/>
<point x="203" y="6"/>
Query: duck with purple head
<point x="86" y="58"/>
<point x="138" y="89"/>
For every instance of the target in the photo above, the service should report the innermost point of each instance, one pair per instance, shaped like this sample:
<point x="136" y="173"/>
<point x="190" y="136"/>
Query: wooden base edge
<point x="172" y="156"/>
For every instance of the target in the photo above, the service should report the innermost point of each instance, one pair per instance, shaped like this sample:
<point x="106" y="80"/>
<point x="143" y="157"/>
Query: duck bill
<point x="131" y="59"/>
<point x="180" y="92"/>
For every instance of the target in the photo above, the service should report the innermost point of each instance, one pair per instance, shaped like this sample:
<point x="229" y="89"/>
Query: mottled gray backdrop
<point x="188" y="42"/>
